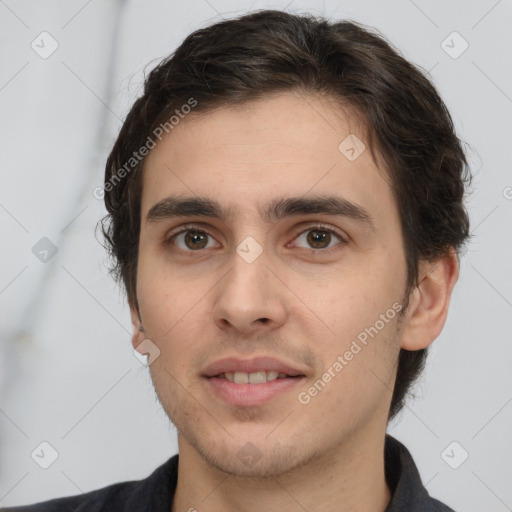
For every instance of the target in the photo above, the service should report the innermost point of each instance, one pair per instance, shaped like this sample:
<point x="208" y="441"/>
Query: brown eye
<point x="189" y="240"/>
<point x="195" y="239"/>
<point x="319" y="238"/>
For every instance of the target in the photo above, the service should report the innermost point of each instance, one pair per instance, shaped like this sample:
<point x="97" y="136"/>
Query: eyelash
<point x="193" y="227"/>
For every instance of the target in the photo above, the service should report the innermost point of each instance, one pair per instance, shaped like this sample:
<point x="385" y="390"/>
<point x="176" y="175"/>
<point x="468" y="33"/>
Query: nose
<point x="250" y="298"/>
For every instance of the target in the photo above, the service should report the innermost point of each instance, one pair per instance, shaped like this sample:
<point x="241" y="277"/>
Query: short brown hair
<point x="247" y="58"/>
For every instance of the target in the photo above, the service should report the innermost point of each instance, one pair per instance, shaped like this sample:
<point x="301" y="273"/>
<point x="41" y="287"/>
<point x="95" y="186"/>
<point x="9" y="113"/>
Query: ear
<point x="429" y="301"/>
<point x="138" y="335"/>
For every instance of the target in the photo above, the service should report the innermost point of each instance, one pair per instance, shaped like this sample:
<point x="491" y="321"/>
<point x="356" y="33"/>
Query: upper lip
<point x="257" y="364"/>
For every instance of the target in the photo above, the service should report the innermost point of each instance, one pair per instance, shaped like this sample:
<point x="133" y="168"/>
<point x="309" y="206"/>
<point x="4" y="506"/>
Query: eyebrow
<point x="276" y="209"/>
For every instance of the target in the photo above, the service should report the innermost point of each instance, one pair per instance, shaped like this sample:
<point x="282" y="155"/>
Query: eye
<point x="193" y="239"/>
<point x="320" y="238"/>
<point x="190" y="239"/>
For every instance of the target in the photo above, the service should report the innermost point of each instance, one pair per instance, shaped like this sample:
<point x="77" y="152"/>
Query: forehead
<point x="245" y="156"/>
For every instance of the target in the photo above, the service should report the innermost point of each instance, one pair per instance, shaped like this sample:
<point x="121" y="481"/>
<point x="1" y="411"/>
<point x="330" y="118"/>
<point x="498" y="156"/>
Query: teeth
<point x="253" y="378"/>
<point x="241" y="378"/>
<point x="257" y="377"/>
<point x="272" y="375"/>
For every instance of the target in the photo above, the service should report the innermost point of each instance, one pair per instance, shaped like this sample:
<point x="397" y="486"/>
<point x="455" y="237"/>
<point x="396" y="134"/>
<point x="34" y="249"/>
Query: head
<point x="258" y="108"/>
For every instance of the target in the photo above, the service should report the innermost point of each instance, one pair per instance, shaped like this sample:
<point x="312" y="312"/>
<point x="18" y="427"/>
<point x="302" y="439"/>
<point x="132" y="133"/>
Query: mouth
<point x="255" y="377"/>
<point x="255" y="369"/>
<point x="251" y="383"/>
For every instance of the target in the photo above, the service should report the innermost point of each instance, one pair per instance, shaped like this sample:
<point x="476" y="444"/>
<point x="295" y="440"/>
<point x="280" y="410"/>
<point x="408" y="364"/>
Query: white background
<point x="67" y="372"/>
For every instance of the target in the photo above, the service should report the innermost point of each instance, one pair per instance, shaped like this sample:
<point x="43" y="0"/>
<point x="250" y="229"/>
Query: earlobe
<point x="138" y="334"/>
<point x="429" y="301"/>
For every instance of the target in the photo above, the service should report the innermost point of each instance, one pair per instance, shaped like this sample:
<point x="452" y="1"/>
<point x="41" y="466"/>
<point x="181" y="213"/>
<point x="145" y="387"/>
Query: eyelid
<point x="307" y="226"/>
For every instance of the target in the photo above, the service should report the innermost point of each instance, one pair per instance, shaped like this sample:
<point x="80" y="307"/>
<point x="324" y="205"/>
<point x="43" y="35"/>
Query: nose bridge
<point x="248" y="281"/>
<point x="247" y="297"/>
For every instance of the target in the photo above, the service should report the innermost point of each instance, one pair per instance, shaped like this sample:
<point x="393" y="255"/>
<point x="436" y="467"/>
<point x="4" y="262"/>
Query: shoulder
<point x="437" y="506"/>
<point x="153" y="493"/>
<point x="94" y="501"/>
<point x="403" y="478"/>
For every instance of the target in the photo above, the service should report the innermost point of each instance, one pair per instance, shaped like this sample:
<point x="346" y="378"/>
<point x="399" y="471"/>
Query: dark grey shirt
<point x="155" y="493"/>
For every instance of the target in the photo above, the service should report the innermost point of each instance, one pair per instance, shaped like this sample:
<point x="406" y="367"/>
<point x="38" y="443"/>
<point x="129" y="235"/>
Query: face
<point x="294" y="267"/>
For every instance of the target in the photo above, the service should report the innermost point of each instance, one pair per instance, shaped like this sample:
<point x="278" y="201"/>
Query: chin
<point x="261" y="458"/>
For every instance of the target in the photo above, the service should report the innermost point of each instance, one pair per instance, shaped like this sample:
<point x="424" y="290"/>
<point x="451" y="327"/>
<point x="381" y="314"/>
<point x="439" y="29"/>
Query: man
<point x="285" y="210"/>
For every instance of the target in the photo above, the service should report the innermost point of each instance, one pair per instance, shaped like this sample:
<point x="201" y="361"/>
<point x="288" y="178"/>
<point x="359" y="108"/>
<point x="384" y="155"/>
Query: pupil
<point x="195" y="236"/>
<point x="318" y="237"/>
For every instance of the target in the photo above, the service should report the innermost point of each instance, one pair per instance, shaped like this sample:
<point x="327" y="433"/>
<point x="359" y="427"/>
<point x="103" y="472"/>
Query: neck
<point x="347" y="479"/>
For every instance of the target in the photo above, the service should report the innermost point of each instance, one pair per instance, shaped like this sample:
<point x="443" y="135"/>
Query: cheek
<point x="164" y="299"/>
<point x="354" y="334"/>
<point x="346" y="303"/>
<point x="174" y="313"/>
<point x="357" y="376"/>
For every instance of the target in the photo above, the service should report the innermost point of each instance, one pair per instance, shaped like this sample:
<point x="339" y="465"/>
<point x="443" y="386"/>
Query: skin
<point x="200" y="305"/>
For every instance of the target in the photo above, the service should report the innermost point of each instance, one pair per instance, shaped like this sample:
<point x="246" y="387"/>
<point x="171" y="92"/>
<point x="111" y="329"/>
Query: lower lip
<point x="251" y="395"/>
